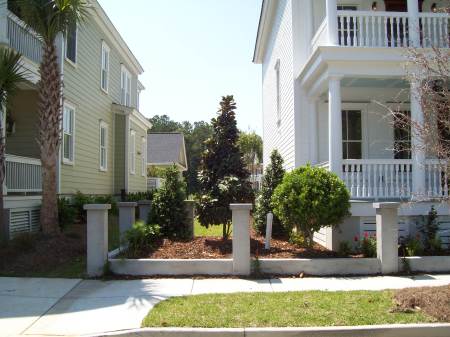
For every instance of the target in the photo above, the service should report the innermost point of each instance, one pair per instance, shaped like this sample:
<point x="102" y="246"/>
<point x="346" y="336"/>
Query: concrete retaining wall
<point x="144" y="267"/>
<point x="427" y="264"/>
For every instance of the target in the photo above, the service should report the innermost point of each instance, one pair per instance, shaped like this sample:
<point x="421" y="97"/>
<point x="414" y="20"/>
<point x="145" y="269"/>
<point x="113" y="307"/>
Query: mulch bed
<point x="217" y="248"/>
<point x="37" y="254"/>
<point x="434" y="301"/>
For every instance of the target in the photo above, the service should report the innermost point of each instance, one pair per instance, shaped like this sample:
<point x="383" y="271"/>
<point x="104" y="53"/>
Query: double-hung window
<point x="132" y="152"/>
<point x="105" y="67"/>
<point x="103" y="146"/>
<point x="144" y="156"/>
<point x="71" y="43"/>
<point x="125" y="87"/>
<point x="68" y="133"/>
<point x="351" y="134"/>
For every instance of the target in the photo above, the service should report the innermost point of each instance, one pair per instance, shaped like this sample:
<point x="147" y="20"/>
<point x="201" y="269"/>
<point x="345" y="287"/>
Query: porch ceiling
<point x="352" y="82"/>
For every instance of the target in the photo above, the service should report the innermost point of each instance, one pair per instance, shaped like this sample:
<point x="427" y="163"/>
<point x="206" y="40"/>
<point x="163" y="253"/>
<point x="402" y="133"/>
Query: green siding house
<point x="104" y="136"/>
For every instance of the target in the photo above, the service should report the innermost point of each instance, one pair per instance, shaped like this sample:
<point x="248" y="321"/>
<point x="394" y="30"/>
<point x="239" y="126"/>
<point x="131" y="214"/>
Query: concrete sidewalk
<point x="56" y="307"/>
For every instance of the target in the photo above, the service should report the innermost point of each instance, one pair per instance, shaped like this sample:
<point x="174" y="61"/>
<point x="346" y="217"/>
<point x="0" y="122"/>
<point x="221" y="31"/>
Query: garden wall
<point x="426" y="264"/>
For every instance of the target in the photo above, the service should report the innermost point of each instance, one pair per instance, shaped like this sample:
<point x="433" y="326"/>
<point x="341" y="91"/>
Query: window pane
<point x="71" y="48"/>
<point x="354" y="125"/>
<point x="67" y="146"/>
<point x="354" y="150"/>
<point x="344" y="125"/>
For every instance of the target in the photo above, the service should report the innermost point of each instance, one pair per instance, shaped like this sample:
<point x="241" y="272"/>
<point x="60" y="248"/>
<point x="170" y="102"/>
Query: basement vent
<point x="444" y="233"/>
<point x="24" y="221"/>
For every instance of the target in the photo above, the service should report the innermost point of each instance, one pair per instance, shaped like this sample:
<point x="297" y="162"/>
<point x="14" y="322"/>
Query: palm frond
<point x="11" y="73"/>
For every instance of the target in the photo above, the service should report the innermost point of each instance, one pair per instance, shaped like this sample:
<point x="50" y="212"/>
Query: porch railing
<point x="23" y="175"/>
<point x="23" y="40"/>
<point x="390" y="29"/>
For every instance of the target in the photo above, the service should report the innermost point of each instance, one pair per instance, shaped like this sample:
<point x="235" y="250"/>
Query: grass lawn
<point x="293" y="309"/>
<point x="199" y="230"/>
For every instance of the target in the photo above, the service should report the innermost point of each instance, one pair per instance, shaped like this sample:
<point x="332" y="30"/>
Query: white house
<point x="328" y="67"/>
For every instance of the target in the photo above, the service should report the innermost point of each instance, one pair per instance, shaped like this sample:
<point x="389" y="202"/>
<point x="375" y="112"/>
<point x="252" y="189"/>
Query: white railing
<point x="23" y="40"/>
<point x="23" y="174"/>
<point x="154" y="183"/>
<point x="390" y="29"/>
<point x="325" y="165"/>
<point x="436" y="178"/>
<point x="256" y="181"/>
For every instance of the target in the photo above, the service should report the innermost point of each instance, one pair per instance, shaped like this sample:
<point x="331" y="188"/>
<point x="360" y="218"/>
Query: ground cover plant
<point x="293" y="309"/>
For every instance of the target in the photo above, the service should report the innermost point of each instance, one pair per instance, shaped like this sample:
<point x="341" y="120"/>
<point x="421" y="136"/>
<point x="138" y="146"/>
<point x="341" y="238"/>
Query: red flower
<point x="356" y="238"/>
<point x="366" y="235"/>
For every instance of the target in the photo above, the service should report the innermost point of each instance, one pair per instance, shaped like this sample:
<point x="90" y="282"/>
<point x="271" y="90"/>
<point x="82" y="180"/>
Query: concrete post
<point x="145" y="206"/>
<point x="4" y="22"/>
<point x="127" y="216"/>
<point x="413" y="23"/>
<point x="335" y="126"/>
<point x="332" y="22"/>
<point x="189" y="207"/>
<point x="387" y="236"/>
<point x="268" y="230"/>
<point x="97" y="238"/>
<point x="241" y="238"/>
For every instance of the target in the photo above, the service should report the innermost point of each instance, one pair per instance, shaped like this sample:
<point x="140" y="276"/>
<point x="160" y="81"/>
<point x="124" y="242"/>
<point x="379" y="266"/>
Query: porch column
<point x="313" y="128"/>
<point x="335" y="125"/>
<point x="332" y="23"/>
<point x="413" y="23"/>
<point x="4" y="22"/>
<point x="417" y="146"/>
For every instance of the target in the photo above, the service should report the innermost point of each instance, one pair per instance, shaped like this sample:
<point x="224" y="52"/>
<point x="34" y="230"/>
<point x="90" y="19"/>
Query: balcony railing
<point x="391" y="29"/>
<point x="23" y="40"/>
<point x="23" y="175"/>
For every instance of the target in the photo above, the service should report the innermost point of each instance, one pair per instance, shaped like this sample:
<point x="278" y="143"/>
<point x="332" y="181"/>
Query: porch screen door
<point x="351" y="134"/>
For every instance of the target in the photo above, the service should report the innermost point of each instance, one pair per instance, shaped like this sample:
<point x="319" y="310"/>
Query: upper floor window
<point x="125" y="87"/>
<point x="144" y="156"/>
<point x="68" y="133"/>
<point x="351" y="134"/>
<point x="132" y="152"/>
<point x="103" y="146"/>
<point x="105" y="67"/>
<point x="278" y="94"/>
<point x="71" y="43"/>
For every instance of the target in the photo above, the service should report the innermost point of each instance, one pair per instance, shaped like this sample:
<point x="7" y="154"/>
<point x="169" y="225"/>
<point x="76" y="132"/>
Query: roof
<point x="268" y="8"/>
<point x="166" y="148"/>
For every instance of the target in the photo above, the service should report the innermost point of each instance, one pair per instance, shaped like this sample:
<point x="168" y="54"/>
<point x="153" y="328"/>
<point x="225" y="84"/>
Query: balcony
<point x="23" y="175"/>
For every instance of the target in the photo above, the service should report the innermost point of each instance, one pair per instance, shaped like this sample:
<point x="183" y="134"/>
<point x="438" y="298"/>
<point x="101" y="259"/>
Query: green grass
<point x="199" y="230"/>
<point x="293" y="309"/>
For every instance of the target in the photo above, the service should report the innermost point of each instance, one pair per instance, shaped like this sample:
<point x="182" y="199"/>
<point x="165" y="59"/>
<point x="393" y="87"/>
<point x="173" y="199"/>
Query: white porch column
<point x="4" y="22"/>
<point x="335" y="125"/>
<point x="413" y="23"/>
<point x="417" y="146"/>
<point x="332" y="23"/>
<point x="313" y="128"/>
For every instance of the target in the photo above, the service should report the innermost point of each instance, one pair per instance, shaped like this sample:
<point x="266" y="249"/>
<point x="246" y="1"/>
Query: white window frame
<point x="125" y="86"/>
<point x="71" y="159"/>
<point x="74" y="63"/>
<point x="144" y="156"/>
<point x="103" y="126"/>
<point x="132" y="152"/>
<point x="105" y="67"/>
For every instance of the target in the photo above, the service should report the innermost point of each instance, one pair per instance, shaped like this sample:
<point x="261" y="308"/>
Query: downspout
<point x="127" y="150"/>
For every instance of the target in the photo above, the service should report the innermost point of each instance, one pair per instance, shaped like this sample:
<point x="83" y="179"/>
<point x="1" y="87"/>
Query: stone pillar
<point x="145" y="207"/>
<point x="413" y="23"/>
<point x="189" y="207"/>
<point x="417" y="146"/>
<point x="127" y="216"/>
<point x="387" y="236"/>
<point x="4" y="22"/>
<point x="313" y="128"/>
<point x="97" y="238"/>
<point x="332" y="22"/>
<point x="241" y="238"/>
<point x="335" y="125"/>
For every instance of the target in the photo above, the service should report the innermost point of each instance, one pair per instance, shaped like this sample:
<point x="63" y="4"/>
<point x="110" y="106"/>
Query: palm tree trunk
<point x="49" y="108"/>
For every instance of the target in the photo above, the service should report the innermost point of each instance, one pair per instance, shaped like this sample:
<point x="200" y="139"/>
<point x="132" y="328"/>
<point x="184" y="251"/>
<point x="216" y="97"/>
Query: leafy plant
<point x="345" y="248"/>
<point x="142" y="236"/>
<point x="297" y="239"/>
<point x="369" y="246"/>
<point x="272" y="178"/>
<point x="413" y="246"/>
<point x="310" y="198"/>
<point x="429" y="231"/>
<point x="67" y="214"/>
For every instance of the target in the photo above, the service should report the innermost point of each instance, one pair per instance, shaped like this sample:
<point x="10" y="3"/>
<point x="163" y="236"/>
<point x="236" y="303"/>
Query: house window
<point x="105" y="67"/>
<point x="71" y="43"/>
<point x="402" y="135"/>
<point x="103" y="146"/>
<point x="132" y="152"/>
<point x="351" y="134"/>
<point x="278" y="94"/>
<point x="346" y="26"/>
<point x="68" y="133"/>
<point x="125" y="87"/>
<point x="144" y="156"/>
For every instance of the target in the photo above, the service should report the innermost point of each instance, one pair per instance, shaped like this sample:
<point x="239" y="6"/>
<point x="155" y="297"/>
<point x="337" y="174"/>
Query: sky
<point x="193" y="52"/>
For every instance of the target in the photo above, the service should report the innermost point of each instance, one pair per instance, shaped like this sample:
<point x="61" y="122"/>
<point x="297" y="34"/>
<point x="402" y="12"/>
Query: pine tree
<point x="223" y="177"/>
<point x="272" y="178"/>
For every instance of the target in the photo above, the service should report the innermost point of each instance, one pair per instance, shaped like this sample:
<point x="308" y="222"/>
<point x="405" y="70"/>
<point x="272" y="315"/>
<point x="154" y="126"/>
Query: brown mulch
<point x="37" y="254"/>
<point x="217" y="248"/>
<point x="434" y="301"/>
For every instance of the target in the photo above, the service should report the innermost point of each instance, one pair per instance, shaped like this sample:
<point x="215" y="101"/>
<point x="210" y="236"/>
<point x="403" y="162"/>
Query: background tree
<point x="49" y="18"/>
<point x="163" y="123"/>
<point x="11" y="75"/>
<point x="273" y="176"/>
<point x="223" y="176"/>
<point x="310" y="198"/>
<point x="251" y="146"/>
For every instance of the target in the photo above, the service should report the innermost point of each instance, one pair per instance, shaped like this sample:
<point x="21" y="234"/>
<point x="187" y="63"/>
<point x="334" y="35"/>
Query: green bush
<point x="429" y="231"/>
<point x="369" y="246"/>
<point x="297" y="239"/>
<point x="138" y="196"/>
<point x="310" y="198"/>
<point x="168" y="210"/>
<point x="142" y="236"/>
<point x="80" y="199"/>
<point x="272" y="178"/>
<point x="345" y="248"/>
<point x="413" y="246"/>
<point x="66" y="212"/>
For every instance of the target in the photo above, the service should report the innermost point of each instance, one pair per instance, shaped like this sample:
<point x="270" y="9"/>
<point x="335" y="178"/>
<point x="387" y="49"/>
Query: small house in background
<point x="164" y="149"/>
